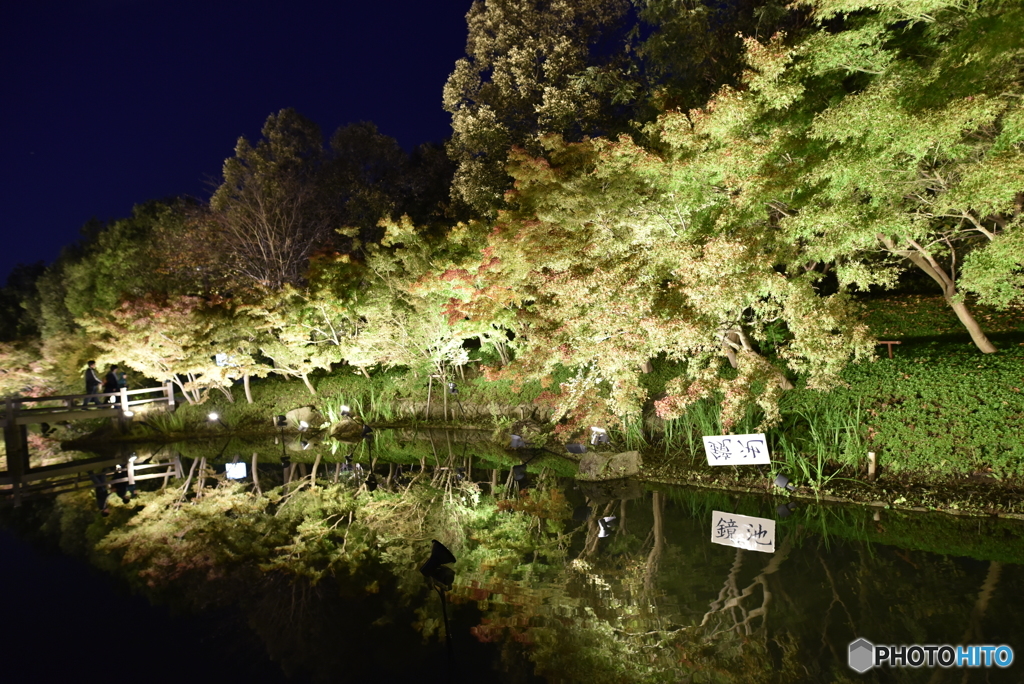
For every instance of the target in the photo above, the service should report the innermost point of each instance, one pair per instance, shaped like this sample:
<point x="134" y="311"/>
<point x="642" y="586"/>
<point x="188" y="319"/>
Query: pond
<point x="555" y="580"/>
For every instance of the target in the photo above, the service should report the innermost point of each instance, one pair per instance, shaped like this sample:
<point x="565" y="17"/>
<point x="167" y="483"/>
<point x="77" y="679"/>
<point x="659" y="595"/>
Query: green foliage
<point x="526" y="73"/>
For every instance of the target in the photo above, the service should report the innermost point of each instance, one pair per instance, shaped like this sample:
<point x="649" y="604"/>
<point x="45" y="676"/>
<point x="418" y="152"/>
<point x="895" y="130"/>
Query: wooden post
<point x="16" y="443"/>
<point x="872" y="465"/>
<point x="169" y="393"/>
<point x="124" y="400"/>
<point x="131" y="470"/>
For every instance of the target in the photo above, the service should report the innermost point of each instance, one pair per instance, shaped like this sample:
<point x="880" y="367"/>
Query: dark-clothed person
<point x="110" y="383"/>
<point x="92" y="384"/>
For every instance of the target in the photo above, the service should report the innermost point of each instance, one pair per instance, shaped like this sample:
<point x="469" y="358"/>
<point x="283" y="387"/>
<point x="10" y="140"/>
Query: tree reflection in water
<point x="326" y="571"/>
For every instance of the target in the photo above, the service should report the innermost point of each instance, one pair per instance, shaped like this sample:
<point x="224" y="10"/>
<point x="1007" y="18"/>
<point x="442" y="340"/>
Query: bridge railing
<point x="124" y="399"/>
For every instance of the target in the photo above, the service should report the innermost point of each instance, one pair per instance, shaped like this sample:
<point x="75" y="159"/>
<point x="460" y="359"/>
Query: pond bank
<point x="981" y="495"/>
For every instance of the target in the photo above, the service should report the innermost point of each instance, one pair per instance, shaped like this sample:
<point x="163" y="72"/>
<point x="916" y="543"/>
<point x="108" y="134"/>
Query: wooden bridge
<point x="20" y="479"/>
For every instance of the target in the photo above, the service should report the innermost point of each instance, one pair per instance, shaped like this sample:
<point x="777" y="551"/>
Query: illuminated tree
<point x="522" y="76"/>
<point x="614" y="255"/>
<point x="897" y="136"/>
<point x="166" y="339"/>
<point x="272" y="205"/>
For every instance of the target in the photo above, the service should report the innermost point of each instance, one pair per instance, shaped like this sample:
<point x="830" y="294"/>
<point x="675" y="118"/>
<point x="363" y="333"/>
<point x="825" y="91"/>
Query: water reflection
<point x="565" y="581"/>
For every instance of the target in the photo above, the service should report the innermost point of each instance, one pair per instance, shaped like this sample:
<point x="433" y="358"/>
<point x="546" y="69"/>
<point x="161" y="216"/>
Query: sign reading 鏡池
<point x="743" y="531"/>
<point x="736" y="450"/>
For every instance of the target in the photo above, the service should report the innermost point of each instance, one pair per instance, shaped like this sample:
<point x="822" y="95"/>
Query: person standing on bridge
<point x="92" y="384"/>
<point x="110" y="383"/>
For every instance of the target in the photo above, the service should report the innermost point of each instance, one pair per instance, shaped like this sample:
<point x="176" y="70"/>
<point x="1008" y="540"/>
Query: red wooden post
<point x="888" y="344"/>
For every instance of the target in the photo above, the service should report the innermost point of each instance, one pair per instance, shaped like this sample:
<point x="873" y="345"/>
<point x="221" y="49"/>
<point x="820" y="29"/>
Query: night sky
<point x="110" y="103"/>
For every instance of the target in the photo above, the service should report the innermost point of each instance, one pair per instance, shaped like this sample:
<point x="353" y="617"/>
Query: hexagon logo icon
<point x="862" y="655"/>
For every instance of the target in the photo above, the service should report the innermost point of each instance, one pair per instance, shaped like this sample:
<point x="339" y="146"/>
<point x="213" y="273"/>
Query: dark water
<point x="541" y="595"/>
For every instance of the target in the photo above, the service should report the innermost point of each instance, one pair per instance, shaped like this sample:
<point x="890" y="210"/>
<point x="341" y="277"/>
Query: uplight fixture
<point x="782" y="482"/>
<point x="598" y="436"/>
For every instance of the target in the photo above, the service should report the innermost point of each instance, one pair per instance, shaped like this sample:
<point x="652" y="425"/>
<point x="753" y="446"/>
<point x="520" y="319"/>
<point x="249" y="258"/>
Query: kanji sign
<point x="743" y="531"/>
<point x="737" y="450"/>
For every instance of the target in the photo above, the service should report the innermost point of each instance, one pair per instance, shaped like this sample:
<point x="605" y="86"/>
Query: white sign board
<point x="737" y="450"/>
<point x="743" y="531"/>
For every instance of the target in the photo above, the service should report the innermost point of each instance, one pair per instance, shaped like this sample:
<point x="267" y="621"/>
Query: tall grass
<point x="813" y="445"/>
<point x="632" y="433"/>
<point x="818" y="445"/>
<point x="165" y="423"/>
<point x="374" y="404"/>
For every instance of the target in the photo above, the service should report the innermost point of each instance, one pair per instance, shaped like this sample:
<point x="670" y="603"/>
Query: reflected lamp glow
<point x="605" y="526"/>
<point x="235" y="471"/>
<point x="128" y="414"/>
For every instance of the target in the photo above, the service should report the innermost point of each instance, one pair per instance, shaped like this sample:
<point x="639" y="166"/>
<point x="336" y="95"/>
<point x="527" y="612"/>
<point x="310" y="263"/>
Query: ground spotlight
<point x="452" y="389"/>
<point x="213" y="416"/>
<point x="575" y="448"/>
<point x="345" y="410"/>
<point x="598" y="436"/>
<point x="782" y="482"/>
<point x="519" y="472"/>
<point x="303" y="426"/>
<point x="281" y="422"/>
<point x="517" y="442"/>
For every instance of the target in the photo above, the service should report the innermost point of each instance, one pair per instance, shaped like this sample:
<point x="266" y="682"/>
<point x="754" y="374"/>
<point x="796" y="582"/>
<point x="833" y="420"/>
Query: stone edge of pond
<point x="965" y="511"/>
<point x="909" y="490"/>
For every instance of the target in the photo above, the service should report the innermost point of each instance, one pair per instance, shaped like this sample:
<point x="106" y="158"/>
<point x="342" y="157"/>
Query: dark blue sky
<point x="109" y="103"/>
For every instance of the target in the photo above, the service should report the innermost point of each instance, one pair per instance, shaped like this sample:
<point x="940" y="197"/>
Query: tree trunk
<point x="305" y="379"/>
<point x="978" y="336"/>
<point x="248" y="391"/>
<point x="924" y="261"/>
<point x="654" y="557"/>
<point x="255" y="472"/>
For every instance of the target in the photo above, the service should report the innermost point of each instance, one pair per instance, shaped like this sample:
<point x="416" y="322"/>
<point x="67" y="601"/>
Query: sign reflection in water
<point x="743" y="531"/>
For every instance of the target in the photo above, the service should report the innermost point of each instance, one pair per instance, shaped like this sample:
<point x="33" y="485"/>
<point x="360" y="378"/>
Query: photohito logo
<point x="864" y="655"/>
